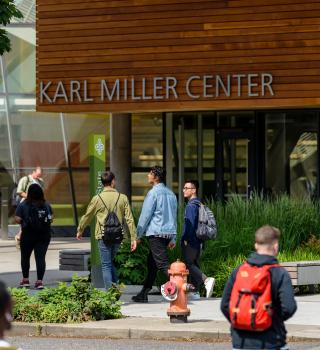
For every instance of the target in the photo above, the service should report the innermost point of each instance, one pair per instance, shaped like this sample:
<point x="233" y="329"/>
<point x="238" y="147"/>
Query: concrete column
<point x="120" y="151"/>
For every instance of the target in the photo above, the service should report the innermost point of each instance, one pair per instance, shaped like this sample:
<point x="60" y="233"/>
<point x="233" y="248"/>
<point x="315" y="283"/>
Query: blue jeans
<point x="107" y="254"/>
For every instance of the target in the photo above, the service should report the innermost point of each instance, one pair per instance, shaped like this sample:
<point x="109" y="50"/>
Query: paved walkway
<point x="144" y="320"/>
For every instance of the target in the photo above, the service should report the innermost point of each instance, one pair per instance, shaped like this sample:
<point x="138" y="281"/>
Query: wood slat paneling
<point x="134" y="39"/>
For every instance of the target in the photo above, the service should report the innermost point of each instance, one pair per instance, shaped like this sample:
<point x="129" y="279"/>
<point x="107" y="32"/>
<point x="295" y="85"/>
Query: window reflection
<point x="20" y="62"/>
<point x="147" y="151"/>
<point x="291" y="153"/>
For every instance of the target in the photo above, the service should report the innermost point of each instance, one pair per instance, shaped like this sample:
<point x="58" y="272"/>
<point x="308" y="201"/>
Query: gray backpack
<point x="207" y="226"/>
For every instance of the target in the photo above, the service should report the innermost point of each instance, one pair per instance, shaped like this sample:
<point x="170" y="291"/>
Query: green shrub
<point x="238" y="219"/>
<point x="75" y="303"/>
<point x="132" y="267"/>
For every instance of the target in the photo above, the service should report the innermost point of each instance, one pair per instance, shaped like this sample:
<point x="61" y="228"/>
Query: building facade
<point x="225" y="91"/>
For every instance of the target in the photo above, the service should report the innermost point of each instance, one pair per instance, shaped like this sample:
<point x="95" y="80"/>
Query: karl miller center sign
<point x="157" y="88"/>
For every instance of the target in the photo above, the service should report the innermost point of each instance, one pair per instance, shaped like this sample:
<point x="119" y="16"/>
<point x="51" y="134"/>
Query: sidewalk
<point x="147" y="321"/>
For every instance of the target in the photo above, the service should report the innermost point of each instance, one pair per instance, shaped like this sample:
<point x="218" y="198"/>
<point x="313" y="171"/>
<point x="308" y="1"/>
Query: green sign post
<point x="97" y="163"/>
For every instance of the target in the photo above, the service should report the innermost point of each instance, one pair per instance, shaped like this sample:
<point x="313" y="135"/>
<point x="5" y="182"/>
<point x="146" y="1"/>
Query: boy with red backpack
<point x="258" y="297"/>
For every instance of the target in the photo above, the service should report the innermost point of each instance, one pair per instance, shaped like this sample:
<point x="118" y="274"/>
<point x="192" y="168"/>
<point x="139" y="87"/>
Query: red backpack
<point x="250" y="306"/>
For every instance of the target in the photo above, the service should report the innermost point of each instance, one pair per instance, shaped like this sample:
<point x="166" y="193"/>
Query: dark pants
<point x="40" y="247"/>
<point x="191" y="257"/>
<point x="157" y="259"/>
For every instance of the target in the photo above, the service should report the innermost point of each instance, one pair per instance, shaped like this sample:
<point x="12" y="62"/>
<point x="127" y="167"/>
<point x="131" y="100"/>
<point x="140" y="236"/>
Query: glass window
<point x="235" y="119"/>
<point x="28" y="9"/>
<point x="146" y="140"/>
<point x="4" y="139"/>
<point x="195" y="128"/>
<point x="302" y="146"/>
<point x="147" y="151"/>
<point x="37" y="137"/>
<point x="275" y="153"/>
<point x="291" y="153"/>
<point x="1" y="83"/>
<point x="208" y="147"/>
<point x="78" y="129"/>
<point x="20" y="62"/>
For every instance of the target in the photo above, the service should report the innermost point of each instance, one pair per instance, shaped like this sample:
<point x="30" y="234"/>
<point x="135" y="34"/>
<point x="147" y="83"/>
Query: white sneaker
<point x="209" y="284"/>
<point x="194" y="295"/>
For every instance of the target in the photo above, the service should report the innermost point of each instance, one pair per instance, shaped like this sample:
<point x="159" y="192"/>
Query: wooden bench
<point x="303" y="273"/>
<point x="74" y="259"/>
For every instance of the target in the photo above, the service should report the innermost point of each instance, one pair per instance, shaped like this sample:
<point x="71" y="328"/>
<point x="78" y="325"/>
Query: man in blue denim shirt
<point x="158" y="221"/>
<point x="191" y="244"/>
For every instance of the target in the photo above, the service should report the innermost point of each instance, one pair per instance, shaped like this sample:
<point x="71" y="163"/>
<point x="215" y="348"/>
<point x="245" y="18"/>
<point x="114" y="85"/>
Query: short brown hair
<point x="267" y="234"/>
<point x="107" y="177"/>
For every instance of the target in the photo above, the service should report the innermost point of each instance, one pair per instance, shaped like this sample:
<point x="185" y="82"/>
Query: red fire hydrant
<point x="175" y="291"/>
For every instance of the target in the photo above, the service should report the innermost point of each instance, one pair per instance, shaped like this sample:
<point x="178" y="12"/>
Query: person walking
<point x="190" y="245"/>
<point x="6" y="318"/>
<point x="259" y="282"/>
<point x="34" y="215"/>
<point x="158" y="221"/>
<point x="35" y="177"/>
<point x="100" y="206"/>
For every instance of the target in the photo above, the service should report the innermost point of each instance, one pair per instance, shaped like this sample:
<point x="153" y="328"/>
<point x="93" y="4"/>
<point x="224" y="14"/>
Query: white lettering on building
<point x="195" y="87"/>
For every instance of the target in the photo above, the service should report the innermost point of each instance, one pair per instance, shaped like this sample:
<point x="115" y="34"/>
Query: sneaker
<point x="209" y="284"/>
<point x="38" y="285"/>
<point x="142" y="296"/>
<point x="194" y="296"/>
<point x="24" y="283"/>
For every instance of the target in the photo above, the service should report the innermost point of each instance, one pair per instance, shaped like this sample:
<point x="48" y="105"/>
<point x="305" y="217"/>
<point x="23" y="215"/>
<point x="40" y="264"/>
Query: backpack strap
<point x="106" y="205"/>
<point x="116" y="202"/>
<point x="103" y="202"/>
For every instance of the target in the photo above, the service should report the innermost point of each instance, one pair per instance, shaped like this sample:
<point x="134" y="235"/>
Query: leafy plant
<point x="132" y="266"/>
<point x="8" y="10"/>
<point x="75" y="303"/>
<point x="238" y="219"/>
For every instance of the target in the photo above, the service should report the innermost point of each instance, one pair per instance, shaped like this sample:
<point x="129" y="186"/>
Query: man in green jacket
<point x="108" y="198"/>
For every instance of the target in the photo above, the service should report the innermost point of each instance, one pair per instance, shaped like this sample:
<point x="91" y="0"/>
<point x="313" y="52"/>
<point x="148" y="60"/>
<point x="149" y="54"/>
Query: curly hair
<point x="159" y="172"/>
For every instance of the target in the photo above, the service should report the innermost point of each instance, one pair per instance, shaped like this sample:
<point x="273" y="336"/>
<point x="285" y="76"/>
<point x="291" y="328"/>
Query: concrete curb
<point x="56" y="330"/>
<point x="141" y="328"/>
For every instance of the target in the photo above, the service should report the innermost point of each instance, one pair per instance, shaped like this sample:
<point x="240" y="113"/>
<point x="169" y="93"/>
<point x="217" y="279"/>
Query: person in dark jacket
<point x="283" y="302"/>
<point x="35" y="216"/>
<point x="190" y="244"/>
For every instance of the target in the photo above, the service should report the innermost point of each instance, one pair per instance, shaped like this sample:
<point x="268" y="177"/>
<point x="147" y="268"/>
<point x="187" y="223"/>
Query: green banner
<point x="97" y="163"/>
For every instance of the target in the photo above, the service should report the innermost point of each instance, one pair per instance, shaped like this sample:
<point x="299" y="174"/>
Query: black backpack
<point x="15" y="198"/>
<point x="112" y="230"/>
<point x="39" y="218"/>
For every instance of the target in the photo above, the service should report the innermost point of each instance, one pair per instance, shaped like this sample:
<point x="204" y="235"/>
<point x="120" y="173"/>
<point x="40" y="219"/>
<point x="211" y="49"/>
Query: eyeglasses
<point x="188" y="188"/>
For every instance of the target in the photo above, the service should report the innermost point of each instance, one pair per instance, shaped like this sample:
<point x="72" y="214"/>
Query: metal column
<point x="200" y="154"/>
<point x="68" y="161"/>
<point x="5" y="190"/>
<point x="181" y="161"/>
<point x="169" y="150"/>
<point x="10" y="138"/>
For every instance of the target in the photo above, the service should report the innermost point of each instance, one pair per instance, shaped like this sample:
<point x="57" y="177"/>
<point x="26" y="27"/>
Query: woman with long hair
<point x="35" y="216"/>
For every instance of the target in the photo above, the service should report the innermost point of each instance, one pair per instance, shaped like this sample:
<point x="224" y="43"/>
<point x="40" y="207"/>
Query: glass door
<point x="235" y="168"/>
